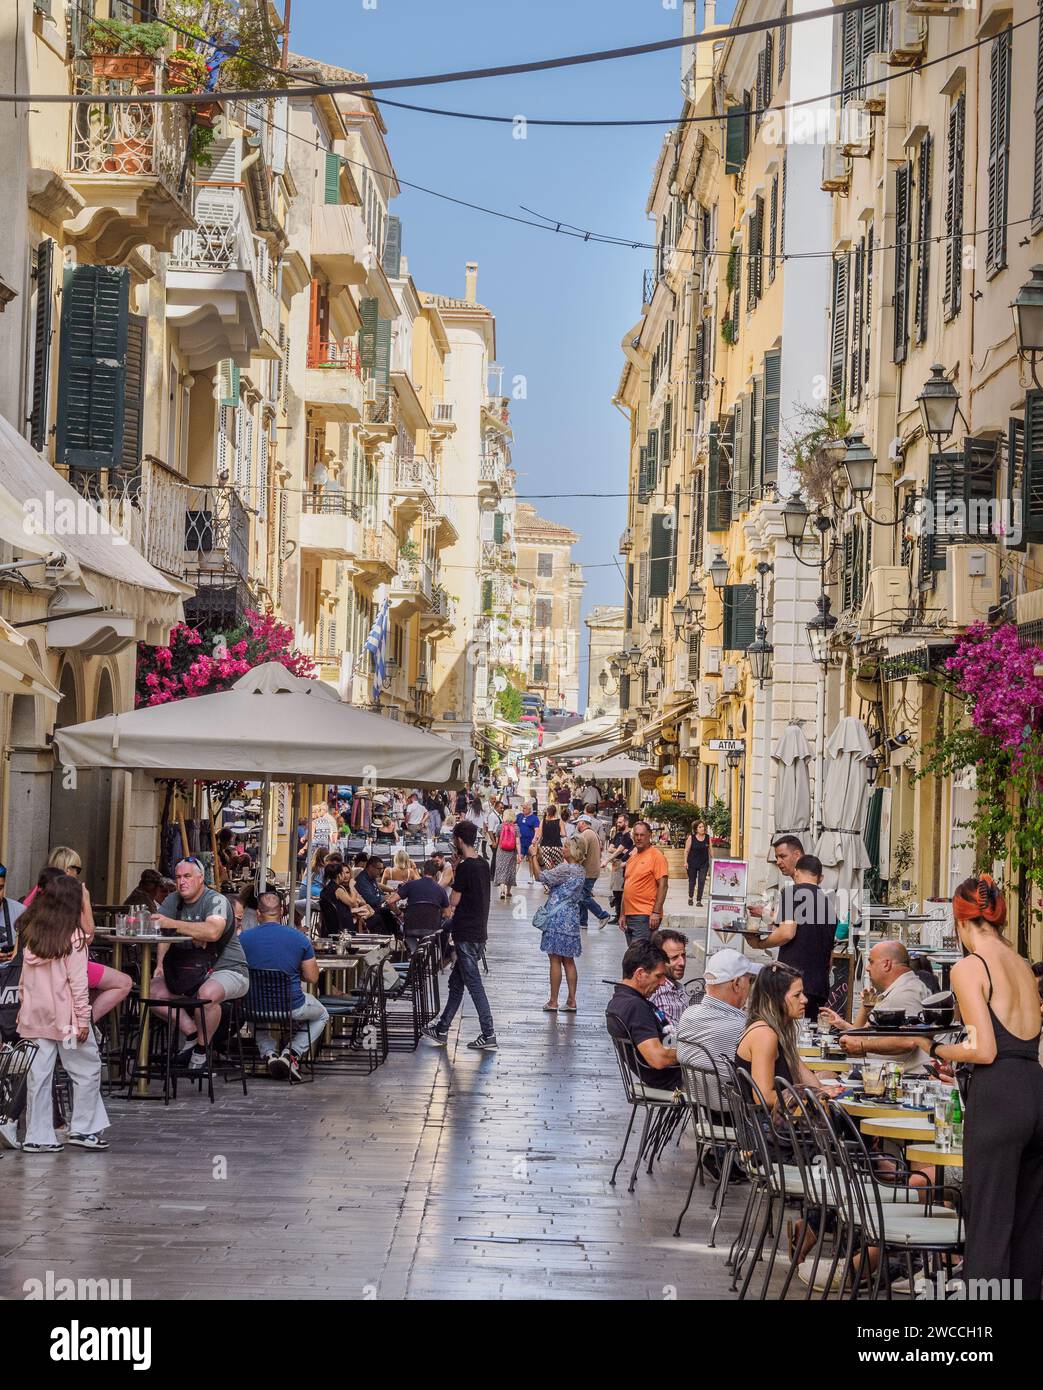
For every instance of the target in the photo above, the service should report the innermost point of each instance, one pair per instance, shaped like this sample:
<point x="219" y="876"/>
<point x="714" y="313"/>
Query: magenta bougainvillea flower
<point x="995" y="673"/>
<point x="201" y="663"/>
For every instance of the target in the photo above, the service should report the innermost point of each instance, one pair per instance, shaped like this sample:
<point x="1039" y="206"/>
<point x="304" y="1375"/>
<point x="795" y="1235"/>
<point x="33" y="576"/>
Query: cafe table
<point x="816" y="1063"/>
<point x="883" y="1110"/>
<point x="145" y="943"/>
<point x="912" y="1129"/>
<point x="931" y="1153"/>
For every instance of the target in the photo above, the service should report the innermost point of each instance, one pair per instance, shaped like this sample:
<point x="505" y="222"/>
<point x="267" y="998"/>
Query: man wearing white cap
<point x="717" y="1022"/>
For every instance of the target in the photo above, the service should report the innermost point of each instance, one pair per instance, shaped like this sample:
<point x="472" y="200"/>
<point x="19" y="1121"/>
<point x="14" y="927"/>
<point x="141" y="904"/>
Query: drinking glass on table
<point x="873" y="1078"/>
<point x="942" y="1124"/>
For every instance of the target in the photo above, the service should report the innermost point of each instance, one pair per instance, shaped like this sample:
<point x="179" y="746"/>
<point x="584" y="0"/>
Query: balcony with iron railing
<point x="440" y="617"/>
<point x="411" y="587"/>
<point x="414" y="486"/>
<point x="447" y="520"/>
<point x="218" y="301"/>
<point x="381" y="415"/>
<point x="490" y="477"/>
<point x="147" y="505"/>
<point x="378" y="557"/>
<point x="329" y="525"/>
<point x="333" y="380"/>
<point x="441" y="415"/>
<point x="126" y="163"/>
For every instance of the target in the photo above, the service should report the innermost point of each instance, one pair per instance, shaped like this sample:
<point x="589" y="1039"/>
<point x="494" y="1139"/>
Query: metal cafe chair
<point x="713" y="1131"/>
<point x="657" y="1106"/>
<point x="269" y="1005"/>
<point x="357" y="1038"/>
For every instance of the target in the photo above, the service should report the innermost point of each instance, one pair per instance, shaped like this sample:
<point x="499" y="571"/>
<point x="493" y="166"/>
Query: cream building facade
<point x="605" y="640"/>
<point x="545" y="562"/>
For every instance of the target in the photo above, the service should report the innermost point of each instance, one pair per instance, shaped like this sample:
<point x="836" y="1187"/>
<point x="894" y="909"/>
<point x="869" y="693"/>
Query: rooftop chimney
<point x="471" y="281"/>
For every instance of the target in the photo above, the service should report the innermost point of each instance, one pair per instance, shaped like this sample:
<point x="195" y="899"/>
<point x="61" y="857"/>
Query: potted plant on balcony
<point x="119" y="49"/>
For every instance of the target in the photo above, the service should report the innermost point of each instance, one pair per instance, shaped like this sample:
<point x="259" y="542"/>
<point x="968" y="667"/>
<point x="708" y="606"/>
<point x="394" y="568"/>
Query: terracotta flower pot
<point x="182" y="73"/>
<point x="129" y="156"/>
<point x="138" y="67"/>
<point x="206" y="113"/>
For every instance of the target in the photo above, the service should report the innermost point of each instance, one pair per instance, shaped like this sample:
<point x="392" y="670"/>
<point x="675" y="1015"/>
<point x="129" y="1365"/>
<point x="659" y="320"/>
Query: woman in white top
<point x="399" y="872"/>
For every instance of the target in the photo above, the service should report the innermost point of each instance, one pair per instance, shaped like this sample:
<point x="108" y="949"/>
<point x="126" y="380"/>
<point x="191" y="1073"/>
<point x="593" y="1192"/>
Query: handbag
<point x="540" y="917"/>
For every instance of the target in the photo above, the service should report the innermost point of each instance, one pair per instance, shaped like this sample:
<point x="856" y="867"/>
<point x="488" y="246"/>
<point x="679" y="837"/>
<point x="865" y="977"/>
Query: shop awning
<point x="19" y="672"/>
<point x="582" y="738"/>
<point x="42" y="514"/>
<point x="653" y="730"/>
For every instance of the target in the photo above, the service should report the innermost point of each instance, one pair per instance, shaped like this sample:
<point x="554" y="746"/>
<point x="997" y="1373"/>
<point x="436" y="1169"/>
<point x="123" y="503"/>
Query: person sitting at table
<point x="426" y="902"/>
<point x="400" y="870"/>
<point x="271" y="945"/>
<point x="150" y="890"/>
<point x="805" y="932"/>
<point x="371" y="893"/>
<point x="719" y="1020"/>
<point x="768" y="1046"/>
<point x="339" y="900"/>
<point x="210" y="967"/>
<point x="896" y="986"/>
<point x="631" y="1017"/>
<point x="445" y="870"/>
<point x="671" y="998"/>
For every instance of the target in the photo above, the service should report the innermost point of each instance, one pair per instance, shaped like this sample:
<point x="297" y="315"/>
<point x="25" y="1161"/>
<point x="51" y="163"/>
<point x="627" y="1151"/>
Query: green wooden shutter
<point x="849" y="55"/>
<point x="773" y="225"/>
<point x="382" y="366"/>
<point x="652" y="459"/>
<point x="332" y="178"/>
<point x="755" y="428"/>
<point x="735" y="139"/>
<point x="661" y="540"/>
<point x="838" y="331"/>
<point x="498" y="528"/>
<point x="923" y="239"/>
<point x="772" y="399"/>
<point x="391" y="260"/>
<point x="694" y="653"/>
<point x="642" y="474"/>
<point x="1037" y="153"/>
<point x="134" y="394"/>
<point x="782" y="45"/>
<point x="42" y="322"/>
<point x="999" y="151"/>
<point x="1015" y="539"/>
<point x="92" y="366"/>
<point x="741" y="457"/>
<point x="368" y="334"/>
<point x="854" y="381"/>
<point x="903" y="189"/>
<point x="228" y="382"/>
<point x="719" y="496"/>
<point x="629" y="605"/>
<point x="1032" y="486"/>
<point x="954" y="207"/>
<point x="740" y="616"/>
<point x="848" y="572"/>
<point x="487" y="596"/>
<point x="756" y="245"/>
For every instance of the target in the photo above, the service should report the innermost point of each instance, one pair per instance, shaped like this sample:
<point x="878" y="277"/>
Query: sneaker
<point x="42" y="1148"/>
<point x="184" y="1057"/>
<point x="483" y="1043"/>
<point x="294" y="1064"/>
<point x="822" y="1281"/>
<point x="197" y="1061"/>
<point x="9" y="1135"/>
<point x="278" y="1066"/>
<point x="689" y="902"/>
<point x="88" y="1141"/>
<point x="434" y="1035"/>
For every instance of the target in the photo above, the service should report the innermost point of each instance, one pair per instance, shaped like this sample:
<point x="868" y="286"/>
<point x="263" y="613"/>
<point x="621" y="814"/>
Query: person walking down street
<point x="1003" y="1132"/>
<point x="697" y="860"/>
<point x="559" y="920"/>
<point x="620" y="845"/>
<point x="528" y="824"/>
<point x="644" y="887"/>
<point x="469" y="926"/>
<point x="587" y="847"/>
<point x="547" y="846"/>
<point x="55" y="1014"/>
<point x="508" y="856"/>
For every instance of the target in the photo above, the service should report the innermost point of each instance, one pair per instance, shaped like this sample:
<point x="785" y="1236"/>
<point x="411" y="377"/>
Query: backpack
<point x="507" y="838"/>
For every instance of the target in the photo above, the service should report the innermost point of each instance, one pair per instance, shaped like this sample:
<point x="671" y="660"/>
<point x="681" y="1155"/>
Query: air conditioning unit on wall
<point x="907" y="35"/>
<point x="972" y="582"/>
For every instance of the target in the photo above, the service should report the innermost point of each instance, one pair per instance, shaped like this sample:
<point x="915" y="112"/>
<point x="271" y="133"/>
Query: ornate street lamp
<point x="719" y="571"/>
<point x="1028" y="318"/>
<point x="760" y="654"/>
<point x="820" y="630"/>
<point x="938" y="401"/>
<point x="860" y="464"/>
<point x="734" y="758"/>
<point x="795" y="519"/>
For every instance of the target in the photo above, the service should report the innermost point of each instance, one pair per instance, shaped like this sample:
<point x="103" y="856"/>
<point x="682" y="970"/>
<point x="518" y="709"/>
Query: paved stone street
<point x="445" y="1174"/>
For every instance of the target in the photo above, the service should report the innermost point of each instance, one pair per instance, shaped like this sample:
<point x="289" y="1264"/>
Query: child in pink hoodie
<point x="55" y="1013"/>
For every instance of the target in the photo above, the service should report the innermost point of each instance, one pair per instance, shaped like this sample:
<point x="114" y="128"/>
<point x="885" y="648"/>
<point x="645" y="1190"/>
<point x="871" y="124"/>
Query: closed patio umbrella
<point x="845" y="802"/>
<point x="792" y="786"/>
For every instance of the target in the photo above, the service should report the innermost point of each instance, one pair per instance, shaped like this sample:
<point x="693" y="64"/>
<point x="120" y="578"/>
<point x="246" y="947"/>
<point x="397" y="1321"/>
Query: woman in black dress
<point x="1003" y="1130"/>
<point x="697" y="860"/>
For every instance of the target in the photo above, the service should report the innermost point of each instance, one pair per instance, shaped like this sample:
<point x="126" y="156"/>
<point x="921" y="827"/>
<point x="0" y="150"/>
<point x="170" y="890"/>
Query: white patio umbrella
<point x="792" y="786"/>
<point x="844" y="806"/>
<point x="610" y="767"/>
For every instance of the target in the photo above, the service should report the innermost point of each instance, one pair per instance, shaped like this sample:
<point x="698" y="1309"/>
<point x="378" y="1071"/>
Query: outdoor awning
<point x="653" y="730"/>
<point x="581" y="737"/>
<point x="270" y="724"/>
<point x="611" y="767"/>
<point x="19" y="672"/>
<point x="42" y="514"/>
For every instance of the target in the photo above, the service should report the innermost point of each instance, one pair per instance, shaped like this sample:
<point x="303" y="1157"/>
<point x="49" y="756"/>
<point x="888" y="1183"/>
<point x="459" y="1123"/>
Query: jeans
<point x="638" y="928"/>
<point x="589" y="901"/>
<point x="466" y="972"/>
<point x="314" y="1017"/>
<point x="697" y="875"/>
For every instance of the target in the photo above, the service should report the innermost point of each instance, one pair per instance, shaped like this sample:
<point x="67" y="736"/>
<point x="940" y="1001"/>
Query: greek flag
<point x="377" y="646"/>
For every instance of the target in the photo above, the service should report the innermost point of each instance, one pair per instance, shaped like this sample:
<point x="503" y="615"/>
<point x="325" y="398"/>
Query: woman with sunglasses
<point x="108" y="987"/>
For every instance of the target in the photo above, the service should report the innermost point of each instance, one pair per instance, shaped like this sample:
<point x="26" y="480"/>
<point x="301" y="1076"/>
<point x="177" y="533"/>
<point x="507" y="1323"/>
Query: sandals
<point x="550" y="1008"/>
<point x="568" y="1008"/>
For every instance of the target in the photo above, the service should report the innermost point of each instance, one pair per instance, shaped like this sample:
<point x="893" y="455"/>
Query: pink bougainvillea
<point x="201" y="663"/>
<point x="994" y="671"/>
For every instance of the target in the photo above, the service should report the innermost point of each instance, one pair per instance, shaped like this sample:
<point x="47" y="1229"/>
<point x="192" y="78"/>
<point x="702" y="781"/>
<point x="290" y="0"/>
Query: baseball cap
<point x="585" y="817"/>
<point x="727" y="965"/>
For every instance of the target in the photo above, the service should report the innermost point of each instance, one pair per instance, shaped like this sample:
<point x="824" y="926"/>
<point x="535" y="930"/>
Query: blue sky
<point x="562" y="306"/>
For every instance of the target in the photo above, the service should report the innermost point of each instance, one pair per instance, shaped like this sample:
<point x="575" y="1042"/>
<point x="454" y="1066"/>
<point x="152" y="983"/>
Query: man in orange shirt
<point x="644" y="887"/>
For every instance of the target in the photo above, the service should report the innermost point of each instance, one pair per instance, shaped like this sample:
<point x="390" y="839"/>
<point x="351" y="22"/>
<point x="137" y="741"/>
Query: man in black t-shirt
<point x="807" y="926"/>
<point x="469" y="925"/>
<point x="426" y="900"/>
<point x="631" y="1017"/>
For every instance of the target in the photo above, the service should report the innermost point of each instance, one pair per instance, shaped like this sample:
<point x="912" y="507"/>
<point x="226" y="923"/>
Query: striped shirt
<point x="715" y="1025"/>
<point x="671" y="999"/>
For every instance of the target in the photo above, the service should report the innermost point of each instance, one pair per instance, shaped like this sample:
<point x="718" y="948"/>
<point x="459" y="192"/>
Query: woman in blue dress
<point x="559" y="923"/>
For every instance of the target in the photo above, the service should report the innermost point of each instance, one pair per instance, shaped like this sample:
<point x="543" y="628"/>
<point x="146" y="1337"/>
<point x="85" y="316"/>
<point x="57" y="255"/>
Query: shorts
<point x="233" y="984"/>
<point x="95" y="970"/>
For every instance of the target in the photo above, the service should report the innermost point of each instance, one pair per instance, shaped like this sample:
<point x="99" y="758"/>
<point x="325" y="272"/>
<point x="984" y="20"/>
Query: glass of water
<point x="942" y="1128"/>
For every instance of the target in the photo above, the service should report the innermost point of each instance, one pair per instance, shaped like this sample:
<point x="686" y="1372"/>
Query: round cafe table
<point x="931" y="1153"/>
<point x="145" y="944"/>
<point x="883" y="1110"/>
<point x="837" y="1064"/>
<point x="906" y="1130"/>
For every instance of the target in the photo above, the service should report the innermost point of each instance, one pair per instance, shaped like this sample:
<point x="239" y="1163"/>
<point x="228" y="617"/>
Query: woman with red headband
<point x="1003" y="1134"/>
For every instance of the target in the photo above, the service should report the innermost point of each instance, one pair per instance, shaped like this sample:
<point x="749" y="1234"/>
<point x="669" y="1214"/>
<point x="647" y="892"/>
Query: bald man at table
<point x="897" y="987"/>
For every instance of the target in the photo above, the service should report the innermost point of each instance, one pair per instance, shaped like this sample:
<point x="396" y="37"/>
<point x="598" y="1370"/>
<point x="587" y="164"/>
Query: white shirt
<point x="415" y="813"/>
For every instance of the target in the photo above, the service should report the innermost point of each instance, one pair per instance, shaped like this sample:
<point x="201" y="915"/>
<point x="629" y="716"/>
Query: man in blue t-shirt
<point x="272" y="945"/>
<point x="528" y="823"/>
<point x="425" y="901"/>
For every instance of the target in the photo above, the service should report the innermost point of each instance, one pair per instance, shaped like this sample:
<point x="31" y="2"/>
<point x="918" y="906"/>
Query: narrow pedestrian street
<point x="445" y="1174"/>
